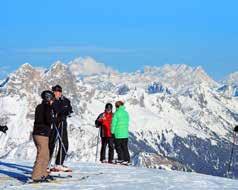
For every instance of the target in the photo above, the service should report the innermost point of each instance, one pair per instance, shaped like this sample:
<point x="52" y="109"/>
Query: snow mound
<point x="105" y="176"/>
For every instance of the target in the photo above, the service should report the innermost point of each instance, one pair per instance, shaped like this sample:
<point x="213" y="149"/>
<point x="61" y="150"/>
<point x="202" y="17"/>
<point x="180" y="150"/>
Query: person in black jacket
<point x="41" y="132"/>
<point x="62" y="109"/>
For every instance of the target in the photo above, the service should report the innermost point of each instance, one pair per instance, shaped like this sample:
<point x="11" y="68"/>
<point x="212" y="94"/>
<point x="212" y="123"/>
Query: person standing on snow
<point x="120" y="125"/>
<point x="62" y="109"/>
<point x="41" y="132"/>
<point x="103" y="122"/>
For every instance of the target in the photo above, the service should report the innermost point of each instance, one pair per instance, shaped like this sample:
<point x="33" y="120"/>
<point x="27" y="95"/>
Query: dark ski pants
<point x="110" y="142"/>
<point x="42" y="157"/>
<point x="62" y="128"/>
<point x="121" y="146"/>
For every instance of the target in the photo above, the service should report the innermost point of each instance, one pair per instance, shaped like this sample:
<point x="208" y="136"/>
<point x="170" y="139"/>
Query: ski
<point x="61" y="174"/>
<point x="117" y="163"/>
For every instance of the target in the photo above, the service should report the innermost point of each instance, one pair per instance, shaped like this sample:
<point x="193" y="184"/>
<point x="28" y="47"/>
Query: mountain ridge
<point x="191" y="125"/>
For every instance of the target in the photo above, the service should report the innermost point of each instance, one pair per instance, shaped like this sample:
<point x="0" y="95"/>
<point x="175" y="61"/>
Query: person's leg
<point x="66" y="143"/>
<point x="61" y="154"/>
<point x="111" y="149"/>
<point x="119" y="149"/>
<point x="52" y="142"/>
<point x="103" y="148"/>
<point x="126" y="154"/>
<point x="42" y="158"/>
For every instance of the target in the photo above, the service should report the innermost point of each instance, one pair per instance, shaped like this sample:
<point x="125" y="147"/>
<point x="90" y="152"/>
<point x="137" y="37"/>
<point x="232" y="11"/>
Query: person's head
<point x="118" y="104"/>
<point x="57" y="91"/>
<point x="47" y="96"/>
<point x="108" y="108"/>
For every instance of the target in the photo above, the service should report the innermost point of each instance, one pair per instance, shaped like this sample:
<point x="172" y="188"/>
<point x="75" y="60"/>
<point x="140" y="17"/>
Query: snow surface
<point x="14" y="174"/>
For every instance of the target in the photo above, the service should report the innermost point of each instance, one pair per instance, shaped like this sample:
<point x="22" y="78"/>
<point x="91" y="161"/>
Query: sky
<point x="125" y="35"/>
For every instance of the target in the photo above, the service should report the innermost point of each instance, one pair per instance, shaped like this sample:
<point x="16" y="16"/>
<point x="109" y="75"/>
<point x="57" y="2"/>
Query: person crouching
<point x="41" y="131"/>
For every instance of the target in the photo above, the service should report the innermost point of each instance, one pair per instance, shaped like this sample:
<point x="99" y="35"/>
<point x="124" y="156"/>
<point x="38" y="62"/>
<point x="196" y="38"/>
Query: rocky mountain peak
<point x="231" y="79"/>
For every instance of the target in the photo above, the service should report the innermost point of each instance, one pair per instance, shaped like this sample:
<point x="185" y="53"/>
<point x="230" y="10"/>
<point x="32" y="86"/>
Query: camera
<point x="3" y="128"/>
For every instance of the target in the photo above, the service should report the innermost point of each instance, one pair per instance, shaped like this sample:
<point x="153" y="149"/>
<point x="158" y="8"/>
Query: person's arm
<point x="69" y="108"/>
<point x="66" y="107"/>
<point x="39" y="117"/>
<point x="114" y="123"/>
<point x="98" y="121"/>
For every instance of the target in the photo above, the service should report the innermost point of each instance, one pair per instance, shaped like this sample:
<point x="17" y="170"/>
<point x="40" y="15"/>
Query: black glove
<point x="3" y="129"/>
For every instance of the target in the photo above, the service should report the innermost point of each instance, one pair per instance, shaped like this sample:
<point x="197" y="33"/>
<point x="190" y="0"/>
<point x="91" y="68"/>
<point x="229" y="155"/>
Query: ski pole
<point x="62" y="144"/>
<point x="97" y="145"/>
<point x="55" y="150"/>
<point x="58" y="133"/>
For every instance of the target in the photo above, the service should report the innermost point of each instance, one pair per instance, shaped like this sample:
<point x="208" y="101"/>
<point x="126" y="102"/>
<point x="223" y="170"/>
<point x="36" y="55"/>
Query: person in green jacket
<point x="119" y="128"/>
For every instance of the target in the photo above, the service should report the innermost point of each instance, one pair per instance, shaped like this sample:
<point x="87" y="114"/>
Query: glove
<point x="3" y="129"/>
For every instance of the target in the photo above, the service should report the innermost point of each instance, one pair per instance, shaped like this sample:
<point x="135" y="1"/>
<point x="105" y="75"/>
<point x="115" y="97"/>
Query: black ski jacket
<point x="43" y="119"/>
<point x="62" y="108"/>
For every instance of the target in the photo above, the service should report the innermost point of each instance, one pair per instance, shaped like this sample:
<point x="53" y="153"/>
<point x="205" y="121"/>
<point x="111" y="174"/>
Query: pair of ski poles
<point x="58" y="137"/>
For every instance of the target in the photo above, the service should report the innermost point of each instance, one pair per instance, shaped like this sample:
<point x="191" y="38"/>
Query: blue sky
<point x="125" y="35"/>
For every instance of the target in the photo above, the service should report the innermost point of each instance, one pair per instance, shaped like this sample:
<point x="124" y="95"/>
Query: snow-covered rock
<point x="157" y="87"/>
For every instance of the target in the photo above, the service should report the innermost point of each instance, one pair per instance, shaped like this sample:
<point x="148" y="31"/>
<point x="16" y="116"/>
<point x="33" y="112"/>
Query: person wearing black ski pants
<point x="62" y="109"/>
<point x="110" y="142"/>
<point x="103" y="122"/>
<point x="62" y="128"/>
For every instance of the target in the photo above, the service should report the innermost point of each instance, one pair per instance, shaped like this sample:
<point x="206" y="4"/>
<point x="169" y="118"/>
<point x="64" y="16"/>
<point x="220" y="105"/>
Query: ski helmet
<point x="108" y="106"/>
<point x="47" y="95"/>
<point x="57" y="88"/>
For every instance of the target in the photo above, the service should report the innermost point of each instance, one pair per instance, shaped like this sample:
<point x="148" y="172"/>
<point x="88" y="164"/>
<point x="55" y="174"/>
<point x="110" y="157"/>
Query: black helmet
<point x="108" y="106"/>
<point x="47" y="95"/>
<point x="57" y="88"/>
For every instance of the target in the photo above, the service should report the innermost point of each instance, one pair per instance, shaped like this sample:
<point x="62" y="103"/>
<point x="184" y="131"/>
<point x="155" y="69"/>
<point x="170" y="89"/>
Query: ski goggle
<point x="48" y="97"/>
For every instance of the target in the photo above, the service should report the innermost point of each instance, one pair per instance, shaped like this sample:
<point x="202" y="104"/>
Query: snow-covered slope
<point x="185" y="124"/>
<point x="102" y="176"/>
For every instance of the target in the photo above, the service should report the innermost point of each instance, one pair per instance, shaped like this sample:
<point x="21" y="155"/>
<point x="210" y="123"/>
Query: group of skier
<point x="50" y="128"/>
<point x="114" y="133"/>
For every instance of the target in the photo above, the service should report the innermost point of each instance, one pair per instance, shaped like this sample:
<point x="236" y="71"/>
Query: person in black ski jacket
<point x="41" y="132"/>
<point x="62" y="109"/>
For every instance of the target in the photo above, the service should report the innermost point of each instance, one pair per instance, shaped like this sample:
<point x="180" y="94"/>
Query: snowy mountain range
<point x="180" y="117"/>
